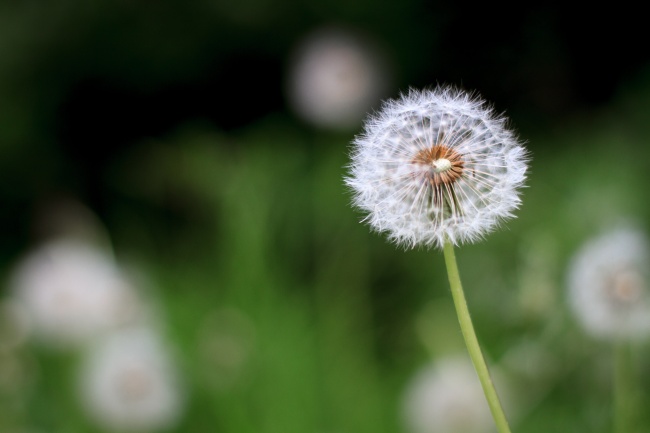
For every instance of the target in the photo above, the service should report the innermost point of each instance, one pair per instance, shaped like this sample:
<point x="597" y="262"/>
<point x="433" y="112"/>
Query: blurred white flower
<point x="128" y="383"/>
<point x="71" y="291"/>
<point x="226" y="340"/>
<point x="608" y="285"/>
<point x="436" y="165"/>
<point x="335" y="78"/>
<point x="446" y="397"/>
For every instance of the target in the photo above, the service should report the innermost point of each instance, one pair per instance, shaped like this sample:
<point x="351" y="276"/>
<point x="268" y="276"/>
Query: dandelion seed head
<point x="72" y="292"/>
<point x="608" y="285"/>
<point x="129" y="384"/>
<point x="446" y="397"/>
<point x="335" y="77"/>
<point x="435" y="165"/>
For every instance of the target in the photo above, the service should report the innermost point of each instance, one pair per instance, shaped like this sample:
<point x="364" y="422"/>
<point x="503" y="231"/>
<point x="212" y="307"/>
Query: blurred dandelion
<point x="128" y="383"/>
<point x="446" y="397"/>
<point x="608" y="292"/>
<point x="72" y="291"/>
<point x="608" y="285"/>
<point x="335" y="77"/>
<point x="226" y="340"/>
<point x="439" y="168"/>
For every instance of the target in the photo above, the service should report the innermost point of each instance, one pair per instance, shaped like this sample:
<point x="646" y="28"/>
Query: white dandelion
<point x="335" y="78"/>
<point x="128" y="383"/>
<point x="608" y="285"/>
<point x="71" y="292"/>
<point x="436" y="165"/>
<point x="446" y="397"/>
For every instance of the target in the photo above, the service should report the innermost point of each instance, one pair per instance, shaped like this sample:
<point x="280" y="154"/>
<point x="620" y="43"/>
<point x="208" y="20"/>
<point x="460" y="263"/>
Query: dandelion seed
<point x="436" y="165"/>
<point x="608" y="285"/>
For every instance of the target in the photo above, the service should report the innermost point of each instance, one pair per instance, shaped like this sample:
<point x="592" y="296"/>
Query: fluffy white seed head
<point x="446" y="397"/>
<point x="128" y="383"/>
<point x="436" y="165"/>
<point x="608" y="285"/>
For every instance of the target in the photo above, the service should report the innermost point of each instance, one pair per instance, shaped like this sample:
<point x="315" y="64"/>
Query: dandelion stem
<point x="623" y="388"/>
<point x="471" y="341"/>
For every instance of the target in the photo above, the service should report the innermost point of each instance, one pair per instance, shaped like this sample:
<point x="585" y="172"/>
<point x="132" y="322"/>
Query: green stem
<point x="623" y="388"/>
<point x="472" y="342"/>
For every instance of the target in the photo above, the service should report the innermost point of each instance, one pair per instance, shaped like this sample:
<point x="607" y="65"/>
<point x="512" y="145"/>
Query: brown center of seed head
<point x="134" y="383"/>
<point x="444" y="163"/>
<point x="627" y="287"/>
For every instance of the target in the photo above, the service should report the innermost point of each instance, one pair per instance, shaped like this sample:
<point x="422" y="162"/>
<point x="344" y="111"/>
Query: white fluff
<point x="393" y="189"/>
<point x="446" y="397"/>
<point x="608" y="285"/>
<point x="335" y="78"/>
<point x="128" y="383"/>
<point x="71" y="292"/>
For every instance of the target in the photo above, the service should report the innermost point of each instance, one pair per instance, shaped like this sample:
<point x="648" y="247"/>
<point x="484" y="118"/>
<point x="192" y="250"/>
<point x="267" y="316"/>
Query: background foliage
<point x="169" y="121"/>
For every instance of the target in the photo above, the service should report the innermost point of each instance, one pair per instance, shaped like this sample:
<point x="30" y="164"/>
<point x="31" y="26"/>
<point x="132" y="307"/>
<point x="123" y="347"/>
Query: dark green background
<point x="169" y="121"/>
